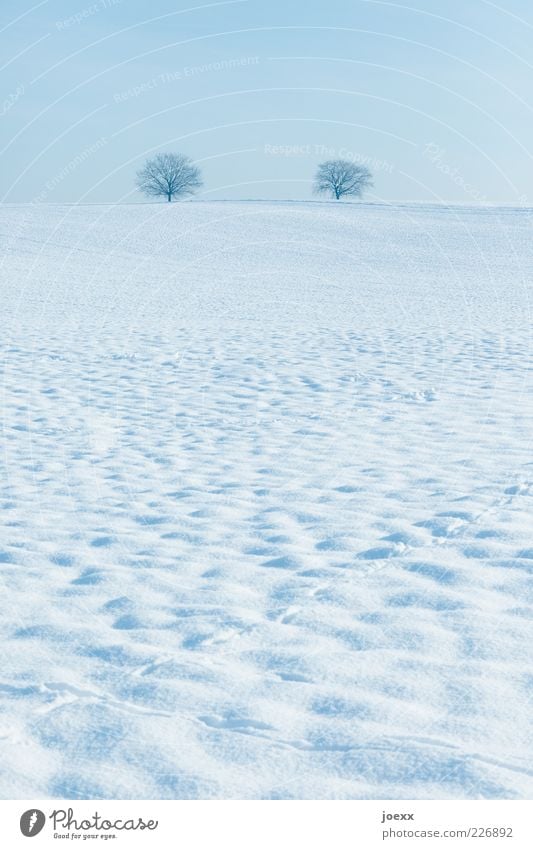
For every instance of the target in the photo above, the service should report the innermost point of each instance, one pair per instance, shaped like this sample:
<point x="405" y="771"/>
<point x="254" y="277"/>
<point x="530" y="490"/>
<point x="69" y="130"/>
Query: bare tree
<point x="338" y="177"/>
<point x="169" y="175"/>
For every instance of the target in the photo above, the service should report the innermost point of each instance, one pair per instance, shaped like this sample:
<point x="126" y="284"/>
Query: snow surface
<point x="265" y="485"/>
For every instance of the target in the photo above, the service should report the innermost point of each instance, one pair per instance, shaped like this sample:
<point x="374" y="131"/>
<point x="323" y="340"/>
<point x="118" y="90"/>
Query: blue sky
<point x="435" y="97"/>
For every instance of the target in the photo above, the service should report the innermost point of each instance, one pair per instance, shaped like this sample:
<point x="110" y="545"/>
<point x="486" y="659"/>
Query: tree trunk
<point x="170" y="197"/>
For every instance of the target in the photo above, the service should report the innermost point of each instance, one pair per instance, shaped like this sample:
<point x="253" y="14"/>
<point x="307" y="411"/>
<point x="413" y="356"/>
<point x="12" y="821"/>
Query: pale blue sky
<point x="436" y="97"/>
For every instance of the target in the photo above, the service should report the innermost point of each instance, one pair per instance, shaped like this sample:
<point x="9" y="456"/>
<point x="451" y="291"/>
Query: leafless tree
<point x="169" y="175"/>
<point x="339" y="177"/>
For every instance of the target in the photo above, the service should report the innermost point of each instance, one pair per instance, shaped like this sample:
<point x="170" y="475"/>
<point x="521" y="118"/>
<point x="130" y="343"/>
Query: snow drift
<point x="264" y="494"/>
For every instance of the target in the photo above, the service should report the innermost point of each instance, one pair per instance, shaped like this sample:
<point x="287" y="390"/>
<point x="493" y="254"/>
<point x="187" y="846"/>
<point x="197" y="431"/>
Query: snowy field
<point x="266" y="489"/>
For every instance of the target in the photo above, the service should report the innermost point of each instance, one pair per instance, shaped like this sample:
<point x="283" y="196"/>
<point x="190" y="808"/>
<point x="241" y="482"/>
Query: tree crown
<point x="169" y="175"/>
<point x="339" y="177"/>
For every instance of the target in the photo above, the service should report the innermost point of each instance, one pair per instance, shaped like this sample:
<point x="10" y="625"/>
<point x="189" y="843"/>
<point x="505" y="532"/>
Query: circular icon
<point x="32" y="822"/>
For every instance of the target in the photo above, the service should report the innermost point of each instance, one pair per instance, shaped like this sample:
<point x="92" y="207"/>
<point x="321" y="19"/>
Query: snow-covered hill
<point x="265" y="484"/>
